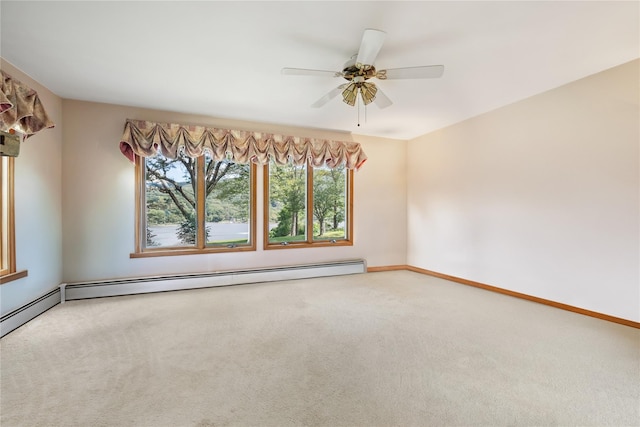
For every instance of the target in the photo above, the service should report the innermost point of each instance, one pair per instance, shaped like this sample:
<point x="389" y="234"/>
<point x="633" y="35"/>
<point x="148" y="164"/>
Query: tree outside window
<point x="329" y="203"/>
<point x="195" y="204"/>
<point x="307" y="206"/>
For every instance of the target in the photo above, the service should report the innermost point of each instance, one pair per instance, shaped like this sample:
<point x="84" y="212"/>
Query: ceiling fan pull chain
<point x="358" y="99"/>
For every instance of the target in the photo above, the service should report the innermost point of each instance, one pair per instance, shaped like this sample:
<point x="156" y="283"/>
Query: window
<point x="298" y="199"/>
<point x="7" y="228"/>
<point x="194" y="205"/>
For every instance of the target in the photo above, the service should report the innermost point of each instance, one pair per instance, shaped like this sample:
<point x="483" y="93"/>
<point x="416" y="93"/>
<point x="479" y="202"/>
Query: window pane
<point x="228" y="202"/>
<point x="287" y="203"/>
<point x="329" y="202"/>
<point x="170" y="196"/>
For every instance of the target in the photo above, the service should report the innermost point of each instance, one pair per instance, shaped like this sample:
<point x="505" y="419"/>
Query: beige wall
<point x="539" y="197"/>
<point x="98" y="201"/>
<point x="38" y="208"/>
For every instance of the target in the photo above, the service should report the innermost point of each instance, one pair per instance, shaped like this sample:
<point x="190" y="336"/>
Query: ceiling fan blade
<point x="382" y="100"/>
<point x="306" y="72"/>
<point x="372" y="41"/>
<point x="329" y="96"/>
<point x="426" y="72"/>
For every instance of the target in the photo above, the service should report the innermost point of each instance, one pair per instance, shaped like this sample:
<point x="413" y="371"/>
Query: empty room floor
<point x="376" y="349"/>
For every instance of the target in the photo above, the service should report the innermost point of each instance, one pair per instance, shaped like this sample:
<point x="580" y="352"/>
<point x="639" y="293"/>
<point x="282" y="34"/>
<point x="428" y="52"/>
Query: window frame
<point x="309" y="242"/>
<point x="141" y="251"/>
<point x="8" y="270"/>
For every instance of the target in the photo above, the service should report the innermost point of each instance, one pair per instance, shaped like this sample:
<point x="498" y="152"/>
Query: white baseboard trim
<point x="119" y="287"/>
<point x="22" y="315"/>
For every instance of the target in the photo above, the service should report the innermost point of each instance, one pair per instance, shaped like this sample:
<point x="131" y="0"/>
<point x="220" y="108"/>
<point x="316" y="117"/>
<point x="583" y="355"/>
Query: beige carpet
<point x="377" y="349"/>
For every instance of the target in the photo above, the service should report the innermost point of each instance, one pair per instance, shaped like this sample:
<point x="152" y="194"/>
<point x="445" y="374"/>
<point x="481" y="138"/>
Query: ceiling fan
<point x="360" y="69"/>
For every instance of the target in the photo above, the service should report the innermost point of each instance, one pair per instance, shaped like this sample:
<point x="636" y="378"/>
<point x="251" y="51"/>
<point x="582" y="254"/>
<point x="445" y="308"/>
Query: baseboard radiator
<point x="75" y="291"/>
<point x="29" y="311"/>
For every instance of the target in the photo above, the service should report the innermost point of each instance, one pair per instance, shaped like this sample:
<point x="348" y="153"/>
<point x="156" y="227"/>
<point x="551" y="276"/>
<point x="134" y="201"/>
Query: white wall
<point x="38" y="211"/>
<point x="98" y="201"/>
<point x="539" y="197"/>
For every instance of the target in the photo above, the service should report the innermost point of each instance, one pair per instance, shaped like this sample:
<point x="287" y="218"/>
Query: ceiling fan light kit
<point x="360" y="68"/>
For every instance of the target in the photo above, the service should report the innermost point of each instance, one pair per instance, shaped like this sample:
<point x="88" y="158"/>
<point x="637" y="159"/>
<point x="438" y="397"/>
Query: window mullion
<point x="266" y="200"/>
<point x="309" y="207"/>
<point x="201" y="240"/>
<point x="141" y="205"/>
<point x="10" y="230"/>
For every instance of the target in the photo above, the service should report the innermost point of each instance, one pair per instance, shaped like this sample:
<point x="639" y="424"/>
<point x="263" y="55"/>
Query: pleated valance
<point x="20" y="108"/>
<point x="145" y="139"/>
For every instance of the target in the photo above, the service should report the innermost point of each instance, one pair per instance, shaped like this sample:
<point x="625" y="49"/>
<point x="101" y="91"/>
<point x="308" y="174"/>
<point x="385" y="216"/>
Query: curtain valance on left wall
<point x="20" y="108"/>
<point x="145" y="139"/>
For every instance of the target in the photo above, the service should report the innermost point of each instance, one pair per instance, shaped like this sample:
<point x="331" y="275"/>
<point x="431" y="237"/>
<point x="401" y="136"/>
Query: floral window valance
<point x="145" y="139"/>
<point x="20" y="108"/>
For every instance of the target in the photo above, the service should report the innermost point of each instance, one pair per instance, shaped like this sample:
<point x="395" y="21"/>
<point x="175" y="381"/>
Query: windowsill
<point x="175" y="252"/>
<point x="13" y="276"/>
<point x="300" y="245"/>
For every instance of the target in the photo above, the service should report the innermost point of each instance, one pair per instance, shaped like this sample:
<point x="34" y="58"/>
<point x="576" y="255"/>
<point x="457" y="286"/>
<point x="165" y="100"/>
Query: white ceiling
<point x="223" y="59"/>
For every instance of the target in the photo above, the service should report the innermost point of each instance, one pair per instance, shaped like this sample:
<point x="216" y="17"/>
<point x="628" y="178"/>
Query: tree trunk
<point x="294" y="224"/>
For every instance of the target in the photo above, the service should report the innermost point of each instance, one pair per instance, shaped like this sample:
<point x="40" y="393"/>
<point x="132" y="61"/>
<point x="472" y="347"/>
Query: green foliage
<point x="329" y="235"/>
<point x="187" y="231"/>
<point x="334" y="234"/>
<point x="156" y="216"/>
<point x="328" y="198"/>
<point x="298" y="238"/>
<point x="284" y="223"/>
<point x="287" y="195"/>
<point x="287" y="192"/>
<point x="229" y="199"/>
<point x="171" y="193"/>
<point x="151" y="238"/>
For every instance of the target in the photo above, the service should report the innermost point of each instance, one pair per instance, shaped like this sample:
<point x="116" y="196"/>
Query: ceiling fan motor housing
<point x="357" y="72"/>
